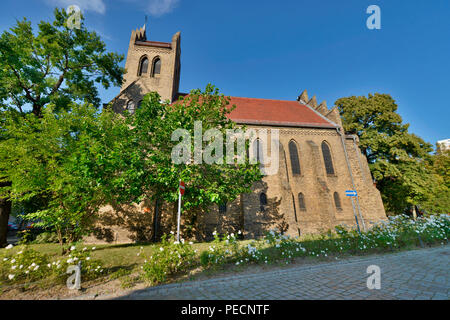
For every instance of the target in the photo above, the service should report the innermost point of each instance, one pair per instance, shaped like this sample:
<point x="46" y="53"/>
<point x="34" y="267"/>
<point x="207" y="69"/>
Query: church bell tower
<point x="150" y="66"/>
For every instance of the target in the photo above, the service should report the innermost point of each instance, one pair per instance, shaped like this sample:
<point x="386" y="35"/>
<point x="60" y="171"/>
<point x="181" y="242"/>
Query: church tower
<point x="150" y="66"/>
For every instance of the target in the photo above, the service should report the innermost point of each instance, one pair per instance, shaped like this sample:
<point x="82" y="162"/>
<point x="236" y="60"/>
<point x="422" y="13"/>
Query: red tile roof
<point x="276" y="112"/>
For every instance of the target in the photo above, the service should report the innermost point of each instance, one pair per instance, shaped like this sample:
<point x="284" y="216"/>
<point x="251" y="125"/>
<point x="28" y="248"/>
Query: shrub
<point x="47" y="237"/>
<point x="222" y="250"/>
<point x="169" y="258"/>
<point x="28" y="265"/>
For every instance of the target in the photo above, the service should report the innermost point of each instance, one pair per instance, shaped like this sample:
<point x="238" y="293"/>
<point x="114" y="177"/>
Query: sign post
<point x="352" y="194"/>
<point x="181" y="189"/>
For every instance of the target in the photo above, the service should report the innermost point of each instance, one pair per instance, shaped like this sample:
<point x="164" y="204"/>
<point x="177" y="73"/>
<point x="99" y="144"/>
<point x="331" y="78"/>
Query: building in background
<point x="318" y="161"/>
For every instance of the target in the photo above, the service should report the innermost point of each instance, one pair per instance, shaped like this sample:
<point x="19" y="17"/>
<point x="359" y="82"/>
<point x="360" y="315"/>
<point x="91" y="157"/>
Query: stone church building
<point x="318" y="162"/>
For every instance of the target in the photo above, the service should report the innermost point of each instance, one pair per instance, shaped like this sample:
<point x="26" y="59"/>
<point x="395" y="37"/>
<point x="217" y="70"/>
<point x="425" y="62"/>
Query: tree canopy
<point x="401" y="162"/>
<point x="56" y="64"/>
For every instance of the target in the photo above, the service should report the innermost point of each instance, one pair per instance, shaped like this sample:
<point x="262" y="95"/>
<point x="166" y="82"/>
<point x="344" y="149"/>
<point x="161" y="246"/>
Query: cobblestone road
<point x="417" y="274"/>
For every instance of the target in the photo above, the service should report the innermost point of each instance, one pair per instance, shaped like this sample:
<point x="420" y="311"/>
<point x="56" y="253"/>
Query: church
<point x="318" y="162"/>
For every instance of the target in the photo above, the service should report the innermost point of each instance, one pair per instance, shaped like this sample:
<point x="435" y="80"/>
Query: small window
<point x="143" y="67"/>
<point x="139" y="104"/>
<point x="130" y="106"/>
<point x="223" y="208"/>
<point x="156" y="66"/>
<point x="327" y="159"/>
<point x="337" y="201"/>
<point x="301" y="202"/>
<point x="263" y="200"/>
<point x="295" y="163"/>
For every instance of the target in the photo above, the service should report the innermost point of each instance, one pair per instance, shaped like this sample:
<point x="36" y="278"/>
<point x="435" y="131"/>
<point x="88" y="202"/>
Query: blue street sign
<point x="351" y="193"/>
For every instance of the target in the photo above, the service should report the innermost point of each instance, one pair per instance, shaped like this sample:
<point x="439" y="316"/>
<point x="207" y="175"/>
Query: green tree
<point x="158" y="176"/>
<point x="57" y="65"/>
<point x="397" y="159"/>
<point x="75" y="159"/>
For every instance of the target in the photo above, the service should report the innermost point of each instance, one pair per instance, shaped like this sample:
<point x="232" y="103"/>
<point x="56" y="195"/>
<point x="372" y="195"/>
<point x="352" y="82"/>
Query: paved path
<point x="417" y="274"/>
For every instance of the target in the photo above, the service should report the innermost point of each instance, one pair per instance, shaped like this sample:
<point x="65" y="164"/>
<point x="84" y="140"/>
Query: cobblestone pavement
<point x="417" y="274"/>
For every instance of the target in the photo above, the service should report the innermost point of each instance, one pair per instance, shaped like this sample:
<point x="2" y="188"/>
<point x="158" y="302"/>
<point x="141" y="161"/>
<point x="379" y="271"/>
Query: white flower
<point x="161" y="249"/>
<point x="13" y="267"/>
<point x="35" y="268"/>
<point x="21" y="266"/>
<point x="11" y="276"/>
<point x="10" y="246"/>
<point x="84" y="249"/>
<point x="88" y="258"/>
<point x="33" y="264"/>
<point x="214" y="233"/>
<point x="190" y="242"/>
<point x="69" y="260"/>
<point x="49" y="265"/>
<point x="72" y="248"/>
<point x="20" y="252"/>
<point x="93" y="248"/>
<point x="239" y="232"/>
<point x="13" y="260"/>
<point x="27" y="272"/>
<point x="5" y="259"/>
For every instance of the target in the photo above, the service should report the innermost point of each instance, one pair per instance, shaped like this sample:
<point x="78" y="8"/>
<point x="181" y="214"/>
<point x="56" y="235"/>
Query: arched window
<point x="257" y="151"/>
<point x="156" y="67"/>
<point x="130" y="106"/>
<point x="295" y="163"/>
<point x="327" y="159"/>
<point x="337" y="201"/>
<point x="301" y="202"/>
<point x="263" y="200"/>
<point x="223" y="208"/>
<point x="143" y="66"/>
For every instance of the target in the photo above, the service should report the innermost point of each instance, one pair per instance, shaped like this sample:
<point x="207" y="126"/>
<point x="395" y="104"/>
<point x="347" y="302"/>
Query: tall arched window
<point x="327" y="159"/>
<point x="301" y="202"/>
<point x="130" y="106"/>
<point x="143" y="66"/>
<point x="295" y="163"/>
<point x="337" y="201"/>
<point x="156" y="67"/>
<point x="257" y="151"/>
<point x="263" y="200"/>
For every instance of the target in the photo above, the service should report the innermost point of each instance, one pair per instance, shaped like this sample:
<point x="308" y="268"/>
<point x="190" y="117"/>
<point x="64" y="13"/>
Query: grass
<point x="123" y="263"/>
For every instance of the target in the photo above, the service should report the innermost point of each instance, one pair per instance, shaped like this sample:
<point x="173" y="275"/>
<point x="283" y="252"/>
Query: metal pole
<point x="356" y="217"/>
<point x="179" y="214"/>
<point x="360" y="215"/>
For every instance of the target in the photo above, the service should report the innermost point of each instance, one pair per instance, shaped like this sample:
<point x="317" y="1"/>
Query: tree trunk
<point x="5" y="211"/>
<point x="156" y="221"/>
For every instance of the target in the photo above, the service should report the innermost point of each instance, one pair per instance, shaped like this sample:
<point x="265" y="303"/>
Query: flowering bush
<point x="169" y="258"/>
<point x="222" y="250"/>
<point x="28" y="265"/>
<point x="90" y="269"/>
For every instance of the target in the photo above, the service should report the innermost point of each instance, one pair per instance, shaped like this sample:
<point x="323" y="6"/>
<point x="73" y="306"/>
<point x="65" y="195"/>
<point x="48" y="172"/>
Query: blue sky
<point x="275" y="49"/>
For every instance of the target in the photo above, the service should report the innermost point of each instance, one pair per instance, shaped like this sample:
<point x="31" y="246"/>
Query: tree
<point x="57" y="65"/>
<point x="206" y="183"/>
<point x="75" y="159"/>
<point x="397" y="159"/>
